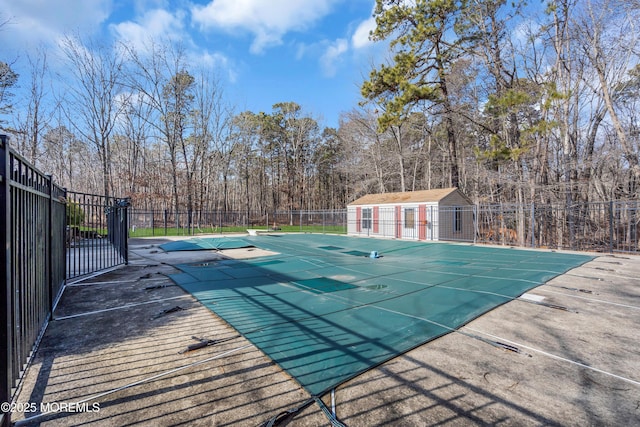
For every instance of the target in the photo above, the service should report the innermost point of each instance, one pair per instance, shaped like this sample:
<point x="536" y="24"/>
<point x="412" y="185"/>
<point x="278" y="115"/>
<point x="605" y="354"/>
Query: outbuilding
<point x="440" y="214"/>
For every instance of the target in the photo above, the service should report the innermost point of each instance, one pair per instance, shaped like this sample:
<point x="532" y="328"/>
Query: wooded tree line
<point x="477" y="94"/>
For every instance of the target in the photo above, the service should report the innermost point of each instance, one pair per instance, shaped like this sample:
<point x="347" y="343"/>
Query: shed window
<point x="457" y="219"/>
<point x="410" y="218"/>
<point x="366" y="218"/>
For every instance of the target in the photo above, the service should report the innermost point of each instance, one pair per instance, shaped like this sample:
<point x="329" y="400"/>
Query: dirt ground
<point x="566" y="354"/>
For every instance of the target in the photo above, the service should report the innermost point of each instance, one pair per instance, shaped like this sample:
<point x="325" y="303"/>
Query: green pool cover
<point x="199" y="244"/>
<point x="325" y="311"/>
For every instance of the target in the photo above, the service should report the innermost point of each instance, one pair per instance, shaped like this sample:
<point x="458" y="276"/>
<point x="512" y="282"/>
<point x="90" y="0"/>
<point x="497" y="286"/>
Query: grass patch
<point x="174" y="231"/>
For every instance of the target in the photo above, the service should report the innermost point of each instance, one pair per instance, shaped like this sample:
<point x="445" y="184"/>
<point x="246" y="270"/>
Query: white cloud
<point x="36" y="22"/>
<point x="360" y="37"/>
<point x="153" y="24"/>
<point x="524" y="32"/>
<point x="301" y="50"/>
<point x="158" y="25"/>
<point x="268" y="21"/>
<point x="332" y="56"/>
<point x="215" y="61"/>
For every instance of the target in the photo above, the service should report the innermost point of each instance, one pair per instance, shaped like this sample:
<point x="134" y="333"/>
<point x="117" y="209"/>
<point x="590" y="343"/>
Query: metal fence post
<point x="125" y="230"/>
<point x="50" y="260"/>
<point x="572" y="234"/>
<point x="5" y="268"/>
<point x="533" y="225"/>
<point x="165" y="222"/>
<point x="475" y="223"/>
<point x="67" y="245"/>
<point x="611" y="226"/>
<point x="323" y="222"/>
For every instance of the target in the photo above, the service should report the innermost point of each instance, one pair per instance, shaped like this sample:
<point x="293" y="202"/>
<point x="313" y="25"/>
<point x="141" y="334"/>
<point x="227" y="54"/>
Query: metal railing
<point x="39" y="252"/>
<point x="96" y="233"/>
<point x="32" y="230"/>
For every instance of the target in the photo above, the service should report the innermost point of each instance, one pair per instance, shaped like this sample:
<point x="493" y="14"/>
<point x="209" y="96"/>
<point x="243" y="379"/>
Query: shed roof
<point x="435" y="195"/>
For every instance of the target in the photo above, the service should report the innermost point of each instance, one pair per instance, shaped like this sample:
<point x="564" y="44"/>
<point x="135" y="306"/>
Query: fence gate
<point x="96" y="233"/>
<point x="48" y="235"/>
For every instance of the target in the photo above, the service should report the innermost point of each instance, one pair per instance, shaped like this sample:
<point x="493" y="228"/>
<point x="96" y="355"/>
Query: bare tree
<point x="36" y="120"/>
<point x="8" y="79"/>
<point x="608" y="36"/>
<point x="133" y="130"/>
<point x="366" y="160"/>
<point x="95" y="98"/>
<point x="294" y="136"/>
<point x="63" y="155"/>
<point x="160" y="79"/>
<point x="211" y="118"/>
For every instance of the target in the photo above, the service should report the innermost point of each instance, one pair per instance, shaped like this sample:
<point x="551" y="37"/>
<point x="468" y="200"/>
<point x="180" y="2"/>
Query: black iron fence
<point x="96" y="233"/>
<point x="32" y="258"/>
<point x="48" y="235"/>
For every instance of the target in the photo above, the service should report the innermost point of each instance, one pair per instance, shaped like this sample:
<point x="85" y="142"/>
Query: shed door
<point x="426" y="222"/>
<point x="431" y="212"/>
<point x="410" y="223"/>
<point x="422" y="222"/>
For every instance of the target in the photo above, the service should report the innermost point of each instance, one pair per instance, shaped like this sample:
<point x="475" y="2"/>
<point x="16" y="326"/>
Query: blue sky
<point x="313" y="52"/>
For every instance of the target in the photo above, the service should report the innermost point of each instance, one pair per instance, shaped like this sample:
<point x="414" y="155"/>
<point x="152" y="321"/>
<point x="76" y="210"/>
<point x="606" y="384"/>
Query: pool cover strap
<point x="284" y="417"/>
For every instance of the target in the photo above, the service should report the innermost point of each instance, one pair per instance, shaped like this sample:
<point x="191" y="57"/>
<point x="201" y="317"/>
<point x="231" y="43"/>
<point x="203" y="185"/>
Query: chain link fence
<point x="145" y="223"/>
<point x="600" y="227"/>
